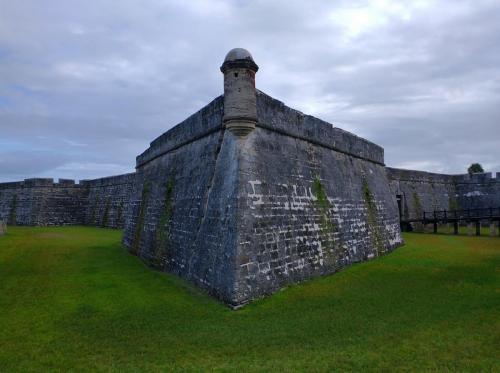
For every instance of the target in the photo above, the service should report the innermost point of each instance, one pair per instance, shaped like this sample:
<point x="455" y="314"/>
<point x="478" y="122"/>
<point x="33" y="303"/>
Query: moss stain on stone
<point x="163" y="228"/>
<point x="323" y="204"/>
<point x="417" y="205"/>
<point x="105" y="215"/>
<point x="452" y="202"/>
<point x="93" y="212"/>
<point x="13" y="208"/>
<point x="119" y="214"/>
<point x="372" y="218"/>
<point x="327" y="228"/>
<point x="140" y="219"/>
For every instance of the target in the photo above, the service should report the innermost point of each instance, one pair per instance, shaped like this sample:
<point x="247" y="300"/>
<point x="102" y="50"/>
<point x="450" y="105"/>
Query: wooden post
<point x="478" y="227"/>
<point x="455" y="227"/>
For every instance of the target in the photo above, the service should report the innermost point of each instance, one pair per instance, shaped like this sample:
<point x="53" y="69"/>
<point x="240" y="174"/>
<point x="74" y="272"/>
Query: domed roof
<point x="238" y="54"/>
<point x="239" y="57"/>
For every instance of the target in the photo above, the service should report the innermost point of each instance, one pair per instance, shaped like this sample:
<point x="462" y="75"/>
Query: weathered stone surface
<point x="240" y="101"/>
<point x="107" y="200"/>
<point x="478" y="190"/>
<point x="44" y="202"/>
<point x="41" y="202"/>
<point x="244" y="217"/>
<point x="308" y="214"/>
<point x="424" y="191"/>
<point x="182" y="212"/>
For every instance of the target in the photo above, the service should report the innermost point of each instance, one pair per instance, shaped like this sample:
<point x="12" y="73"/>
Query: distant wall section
<point x="480" y="190"/>
<point x="107" y="200"/>
<point x="420" y="191"/>
<point x="43" y="202"/>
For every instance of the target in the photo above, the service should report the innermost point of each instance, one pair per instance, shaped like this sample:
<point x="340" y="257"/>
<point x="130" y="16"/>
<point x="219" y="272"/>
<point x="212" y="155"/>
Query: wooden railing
<point x="469" y="216"/>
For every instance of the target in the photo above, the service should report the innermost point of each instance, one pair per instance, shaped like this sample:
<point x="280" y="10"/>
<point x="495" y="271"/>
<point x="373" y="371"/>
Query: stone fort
<point x="248" y="195"/>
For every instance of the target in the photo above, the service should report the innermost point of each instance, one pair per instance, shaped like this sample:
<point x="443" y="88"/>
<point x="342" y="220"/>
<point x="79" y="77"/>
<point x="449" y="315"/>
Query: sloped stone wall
<point x="313" y="199"/>
<point x="242" y="217"/>
<point x="182" y="214"/>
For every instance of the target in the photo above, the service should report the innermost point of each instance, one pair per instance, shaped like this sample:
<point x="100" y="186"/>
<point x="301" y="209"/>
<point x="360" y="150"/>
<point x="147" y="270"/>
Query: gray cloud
<point x="85" y="86"/>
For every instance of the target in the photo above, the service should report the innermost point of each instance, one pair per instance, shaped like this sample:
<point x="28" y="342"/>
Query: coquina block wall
<point x="44" y="202"/>
<point x="480" y="190"/>
<point x="248" y="195"/>
<point x="107" y="200"/>
<point x="424" y="191"/>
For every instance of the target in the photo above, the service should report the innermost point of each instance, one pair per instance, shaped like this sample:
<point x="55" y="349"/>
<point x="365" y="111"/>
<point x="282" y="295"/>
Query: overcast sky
<point x="86" y="85"/>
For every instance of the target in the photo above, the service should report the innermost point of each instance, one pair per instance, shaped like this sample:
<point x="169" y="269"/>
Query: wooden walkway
<point x="469" y="216"/>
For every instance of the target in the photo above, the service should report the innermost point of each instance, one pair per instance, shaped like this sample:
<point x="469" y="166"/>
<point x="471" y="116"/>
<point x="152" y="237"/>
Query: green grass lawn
<point x="73" y="299"/>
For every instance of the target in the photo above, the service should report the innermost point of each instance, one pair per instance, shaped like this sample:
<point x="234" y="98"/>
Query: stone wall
<point x="296" y="199"/>
<point x="424" y="191"/>
<point x="15" y="202"/>
<point x="107" y="200"/>
<point x="313" y="199"/>
<point x="480" y="190"/>
<point x="42" y="202"/>
<point x="182" y="214"/>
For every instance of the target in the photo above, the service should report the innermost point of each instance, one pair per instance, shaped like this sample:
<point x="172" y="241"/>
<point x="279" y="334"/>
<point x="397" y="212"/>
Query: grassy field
<point x="73" y="299"/>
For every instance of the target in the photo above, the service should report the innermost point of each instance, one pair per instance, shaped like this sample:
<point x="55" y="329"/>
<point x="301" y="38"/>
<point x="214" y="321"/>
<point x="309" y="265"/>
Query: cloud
<point x="85" y="86"/>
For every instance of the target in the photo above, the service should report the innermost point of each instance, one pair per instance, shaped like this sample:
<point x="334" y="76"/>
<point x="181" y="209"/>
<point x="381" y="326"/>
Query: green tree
<point x="474" y="168"/>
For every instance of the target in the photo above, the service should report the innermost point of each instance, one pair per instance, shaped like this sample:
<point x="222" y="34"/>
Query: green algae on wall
<point x="371" y="209"/>
<point x="119" y="213"/>
<point x="13" y="208"/>
<point x="93" y="213"/>
<point x="452" y="202"/>
<point x="140" y="220"/>
<point x="105" y="215"/>
<point x="323" y="204"/>
<point x="327" y="227"/>
<point x="163" y="227"/>
<point x="417" y="205"/>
